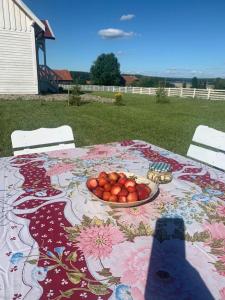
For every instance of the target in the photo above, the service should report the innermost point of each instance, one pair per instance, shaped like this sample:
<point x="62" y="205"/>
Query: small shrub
<point x="76" y="90"/>
<point x="75" y="100"/>
<point x="118" y="99"/>
<point x="42" y="101"/>
<point x="61" y="90"/>
<point x="161" y="95"/>
<point x="74" y="96"/>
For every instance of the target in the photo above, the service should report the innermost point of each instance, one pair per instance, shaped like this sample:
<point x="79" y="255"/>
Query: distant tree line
<point x="106" y="71"/>
<point x="147" y="81"/>
<point x="217" y="83"/>
<point x="198" y="83"/>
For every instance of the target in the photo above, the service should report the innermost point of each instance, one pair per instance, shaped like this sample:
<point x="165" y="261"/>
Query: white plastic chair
<point x="27" y="142"/>
<point x="212" y="138"/>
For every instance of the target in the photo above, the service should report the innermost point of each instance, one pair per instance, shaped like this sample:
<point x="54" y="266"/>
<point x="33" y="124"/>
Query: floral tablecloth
<point x="57" y="243"/>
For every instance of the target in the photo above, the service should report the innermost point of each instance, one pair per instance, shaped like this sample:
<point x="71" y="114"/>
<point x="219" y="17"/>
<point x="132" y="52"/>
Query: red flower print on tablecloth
<point x="207" y="183"/>
<point x="57" y="263"/>
<point x="204" y="181"/>
<point x="155" y="156"/>
<point x="66" y="259"/>
<point x="17" y="296"/>
<point x="127" y="143"/>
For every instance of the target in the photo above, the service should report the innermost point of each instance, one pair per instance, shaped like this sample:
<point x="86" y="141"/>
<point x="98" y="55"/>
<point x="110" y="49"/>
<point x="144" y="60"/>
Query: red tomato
<point x="103" y="174"/>
<point x="107" y="187"/>
<point x="102" y="181"/>
<point x="122" y="199"/>
<point x="113" y="198"/>
<point x="106" y="196"/>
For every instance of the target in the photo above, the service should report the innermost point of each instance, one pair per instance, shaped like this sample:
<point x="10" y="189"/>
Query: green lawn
<point x="170" y="126"/>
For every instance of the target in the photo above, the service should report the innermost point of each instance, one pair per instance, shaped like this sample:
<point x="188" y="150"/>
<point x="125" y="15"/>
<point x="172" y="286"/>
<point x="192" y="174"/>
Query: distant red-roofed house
<point x="63" y="76"/>
<point x="129" y="79"/>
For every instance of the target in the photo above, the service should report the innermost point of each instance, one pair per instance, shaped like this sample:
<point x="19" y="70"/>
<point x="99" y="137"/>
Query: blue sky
<point x="161" y="37"/>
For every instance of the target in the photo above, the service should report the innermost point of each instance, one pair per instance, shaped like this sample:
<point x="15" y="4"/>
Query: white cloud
<point x="127" y="17"/>
<point x="113" y="33"/>
<point x="119" y="53"/>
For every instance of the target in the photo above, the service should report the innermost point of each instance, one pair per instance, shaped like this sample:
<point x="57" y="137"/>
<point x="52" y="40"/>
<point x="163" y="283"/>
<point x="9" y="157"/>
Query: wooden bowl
<point x="154" y="192"/>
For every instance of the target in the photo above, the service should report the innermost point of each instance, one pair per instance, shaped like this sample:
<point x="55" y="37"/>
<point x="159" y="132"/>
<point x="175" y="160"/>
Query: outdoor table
<point x="57" y="243"/>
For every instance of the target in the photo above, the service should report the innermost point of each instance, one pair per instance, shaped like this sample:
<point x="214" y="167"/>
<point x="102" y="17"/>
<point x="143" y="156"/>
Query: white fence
<point x="209" y="94"/>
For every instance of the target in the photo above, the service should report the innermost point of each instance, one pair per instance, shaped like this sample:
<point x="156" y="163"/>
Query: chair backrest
<point x="32" y="141"/>
<point x="215" y="141"/>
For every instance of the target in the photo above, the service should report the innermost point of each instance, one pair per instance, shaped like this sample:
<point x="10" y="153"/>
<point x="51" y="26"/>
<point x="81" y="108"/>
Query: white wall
<point x="18" y="70"/>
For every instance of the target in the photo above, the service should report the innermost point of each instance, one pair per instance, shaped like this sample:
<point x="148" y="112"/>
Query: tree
<point x="204" y="84"/>
<point x="106" y="70"/>
<point x="194" y="83"/>
<point x="147" y="81"/>
<point x="184" y="85"/>
<point x="80" y="77"/>
<point x="161" y="95"/>
<point x="219" y="84"/>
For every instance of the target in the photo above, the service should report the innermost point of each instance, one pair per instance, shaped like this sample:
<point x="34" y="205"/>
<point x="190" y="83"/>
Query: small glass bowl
<point x="160" y="177"/>
<point x="160" y="172"/>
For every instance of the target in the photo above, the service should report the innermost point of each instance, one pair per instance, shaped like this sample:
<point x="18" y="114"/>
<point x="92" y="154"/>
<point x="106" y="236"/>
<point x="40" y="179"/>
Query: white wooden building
<point x="22" y="45"/>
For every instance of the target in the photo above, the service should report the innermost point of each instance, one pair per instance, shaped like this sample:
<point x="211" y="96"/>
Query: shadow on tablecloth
<point x="170" y="275"/>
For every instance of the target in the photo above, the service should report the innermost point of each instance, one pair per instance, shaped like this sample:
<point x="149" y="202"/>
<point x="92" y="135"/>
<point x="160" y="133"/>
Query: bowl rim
<point x="153" y="186"/>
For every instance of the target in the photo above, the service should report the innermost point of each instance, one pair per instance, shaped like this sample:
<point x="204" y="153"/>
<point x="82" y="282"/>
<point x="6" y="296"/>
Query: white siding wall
<point x="18" y="68"/>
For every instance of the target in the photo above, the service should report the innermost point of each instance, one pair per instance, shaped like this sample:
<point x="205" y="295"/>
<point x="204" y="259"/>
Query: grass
<point x="170" y="126"/>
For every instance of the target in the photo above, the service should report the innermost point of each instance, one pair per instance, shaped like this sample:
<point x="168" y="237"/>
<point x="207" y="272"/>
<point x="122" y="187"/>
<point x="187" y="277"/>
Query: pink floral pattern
<point x="221" y="210"/>
<point x="165" y="197"/>
<point x="216" y="230"/>
<point x="222" y="294"/>
<point x="101" y="152"/>
<point x="135" y="215"/>
<point x="64" y="154"/>
<point x="60" y="169"/>
<point x="84" y="249"/>
<point x="97" y="241"/>
<point x="133" y="267"/>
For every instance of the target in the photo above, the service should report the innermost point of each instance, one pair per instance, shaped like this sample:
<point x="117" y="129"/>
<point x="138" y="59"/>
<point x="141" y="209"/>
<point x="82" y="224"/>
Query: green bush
<point x="60" y="90"/>
<point x="161" y="95"/>
<point x="74" y="96"/>
<point x="42" y="101"/>
<point x="75" y="100"/>
<point x="118" y="99"/>
<point x="76" y="90"/>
